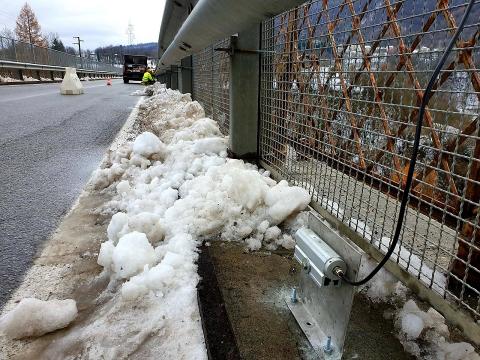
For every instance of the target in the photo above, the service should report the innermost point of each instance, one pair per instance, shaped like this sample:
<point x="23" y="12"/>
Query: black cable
<point x="413" y="159"/>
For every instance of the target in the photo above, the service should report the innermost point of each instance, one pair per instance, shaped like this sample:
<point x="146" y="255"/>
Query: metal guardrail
<point x="341" y="83"/>
<point x="19" y="55"/>
<point x="40" y="67"/>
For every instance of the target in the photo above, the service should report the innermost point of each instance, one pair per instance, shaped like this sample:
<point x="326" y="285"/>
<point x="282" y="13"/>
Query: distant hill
<point x="114" y="53"/>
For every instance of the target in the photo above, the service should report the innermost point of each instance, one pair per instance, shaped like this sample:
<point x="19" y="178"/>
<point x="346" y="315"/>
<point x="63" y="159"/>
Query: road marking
<point x="44" y="93"/>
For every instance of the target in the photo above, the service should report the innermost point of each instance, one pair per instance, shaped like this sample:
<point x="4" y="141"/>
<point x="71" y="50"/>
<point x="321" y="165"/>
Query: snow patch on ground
<point x="8" y="79"/>
<point x="422" y="334"/>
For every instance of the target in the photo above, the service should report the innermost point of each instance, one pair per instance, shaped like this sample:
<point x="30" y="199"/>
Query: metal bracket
<point x="323" y="312"/>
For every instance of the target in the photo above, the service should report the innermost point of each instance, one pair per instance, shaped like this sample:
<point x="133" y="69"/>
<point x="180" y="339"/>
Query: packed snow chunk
<point x="456" y="351"/>
<point x="163" y="276"/>
<point x="33" y="317"/>
<point x="244" y="186"/>
<point x="412" y="325"/>
<point x="123" y="187"/>
<point x="147" y="223"/>
<point x="194" y="110"/>
<point x="253" y="244"/>
<point x="117" y="227"/>
<point x="103" y="178"/>
<point x="147" y="144"/>
<point x="262" y="228"/>
<point x="283" y="200"/>
<point x="105" y="254"/>
<point x="213" y="145"/>
<point x="272" y="233"/>
<point x="132" y="253"/>
<point x="286" y="241"/>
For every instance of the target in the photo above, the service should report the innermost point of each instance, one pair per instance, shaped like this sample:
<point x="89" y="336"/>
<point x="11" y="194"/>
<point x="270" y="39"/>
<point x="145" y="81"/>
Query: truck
<point x="134" y="66"/>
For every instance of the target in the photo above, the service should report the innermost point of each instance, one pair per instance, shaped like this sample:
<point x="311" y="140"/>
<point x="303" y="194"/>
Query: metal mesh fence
<point x="211" y="74"/>
<point x="13" y="50"/>
<point x="341" y="84"/>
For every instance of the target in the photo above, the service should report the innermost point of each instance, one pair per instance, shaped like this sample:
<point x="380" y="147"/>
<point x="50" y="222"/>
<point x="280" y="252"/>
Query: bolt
<point x="294" y="295"/>
<point x="328" y="349"/>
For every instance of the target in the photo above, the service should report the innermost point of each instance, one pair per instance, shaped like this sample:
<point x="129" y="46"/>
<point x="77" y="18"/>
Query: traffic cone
<point x="109" y="82"/>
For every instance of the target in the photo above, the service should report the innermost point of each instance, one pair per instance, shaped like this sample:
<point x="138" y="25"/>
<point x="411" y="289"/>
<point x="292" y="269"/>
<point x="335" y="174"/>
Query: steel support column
<point x="186" y="75"/>
<point x="174" y="77"/>
<point x="244" y="94"/>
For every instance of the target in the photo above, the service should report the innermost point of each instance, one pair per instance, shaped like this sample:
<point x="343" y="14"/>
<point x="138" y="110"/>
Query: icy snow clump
<point x="33" y="317"/>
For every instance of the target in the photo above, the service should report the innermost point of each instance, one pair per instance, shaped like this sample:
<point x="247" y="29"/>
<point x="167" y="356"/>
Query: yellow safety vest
<point x="147" y="77"/>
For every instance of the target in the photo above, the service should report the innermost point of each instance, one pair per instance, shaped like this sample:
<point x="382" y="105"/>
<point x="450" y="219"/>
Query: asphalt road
<point x="49" y="146"/>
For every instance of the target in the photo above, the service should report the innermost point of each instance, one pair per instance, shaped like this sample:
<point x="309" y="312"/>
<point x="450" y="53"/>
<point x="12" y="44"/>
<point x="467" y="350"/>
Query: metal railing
<point x="341" y="82"/>
<point x="340" y="90"/>
<point x="211" y="74"/>
<point x="21" y="52"/>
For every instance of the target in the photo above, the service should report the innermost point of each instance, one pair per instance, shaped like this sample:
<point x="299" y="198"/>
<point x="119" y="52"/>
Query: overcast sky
<point x="98" y="22"/>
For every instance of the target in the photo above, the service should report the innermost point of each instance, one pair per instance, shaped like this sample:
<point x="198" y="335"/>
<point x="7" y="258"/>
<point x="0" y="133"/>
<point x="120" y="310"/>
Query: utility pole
<point x="79" y="49"/>
<point x="78" y="43"/>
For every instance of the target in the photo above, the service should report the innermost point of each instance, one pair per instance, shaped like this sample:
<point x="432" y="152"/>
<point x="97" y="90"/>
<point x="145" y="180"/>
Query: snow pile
<point x="149" y="90"/>
<point x="33" y="317"/>
<point x="174" y="187"/>
<point x="8" y="79"/>
<point x="29" y="78"/>
<point x="423" y="335"/>
<point x="181" y="188"/>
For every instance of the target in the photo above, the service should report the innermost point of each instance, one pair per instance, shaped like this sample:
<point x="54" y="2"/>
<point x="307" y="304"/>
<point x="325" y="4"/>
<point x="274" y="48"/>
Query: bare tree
<point x="28" y="29"/>
<point x="7" y="33"/>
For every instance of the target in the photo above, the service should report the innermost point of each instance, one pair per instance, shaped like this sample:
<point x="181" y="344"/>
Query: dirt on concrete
<point x="255" y="286"/>
<point x="64" y="269"/>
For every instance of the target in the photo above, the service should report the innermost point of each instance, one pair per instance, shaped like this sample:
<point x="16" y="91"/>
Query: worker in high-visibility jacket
<point x="148" y="78"/>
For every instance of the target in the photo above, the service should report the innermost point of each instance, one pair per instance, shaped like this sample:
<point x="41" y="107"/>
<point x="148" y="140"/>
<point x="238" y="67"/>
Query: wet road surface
<point x="49" y="146"/>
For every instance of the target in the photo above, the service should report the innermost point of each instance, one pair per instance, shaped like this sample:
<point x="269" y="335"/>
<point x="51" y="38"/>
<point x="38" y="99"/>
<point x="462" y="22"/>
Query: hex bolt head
<point x="328" y="348"/>
<point x="293" y="296"/>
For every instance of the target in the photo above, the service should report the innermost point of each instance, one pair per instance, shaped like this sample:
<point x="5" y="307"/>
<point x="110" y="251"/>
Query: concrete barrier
<point x="71" y="84"/>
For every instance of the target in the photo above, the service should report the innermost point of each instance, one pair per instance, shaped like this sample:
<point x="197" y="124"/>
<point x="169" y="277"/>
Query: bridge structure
<point x="20" y="60"/>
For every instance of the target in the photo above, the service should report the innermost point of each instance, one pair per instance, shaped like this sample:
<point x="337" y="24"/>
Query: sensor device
<point x="317" y="258"/>
<point x="320" y="302"/>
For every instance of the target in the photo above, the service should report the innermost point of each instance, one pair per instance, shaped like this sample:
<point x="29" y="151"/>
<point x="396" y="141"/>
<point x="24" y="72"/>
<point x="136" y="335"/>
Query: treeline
<point x="116" y="52"/>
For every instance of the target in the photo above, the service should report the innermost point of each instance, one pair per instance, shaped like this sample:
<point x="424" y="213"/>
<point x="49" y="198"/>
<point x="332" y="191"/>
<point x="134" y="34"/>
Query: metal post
<point x="186" y="76"/>
<point x="33" y="54"/>
<point x="244" y="94"/>
<point x="174" y="77"/>
<point x="14" y="50"/>
<point x="168" y="79"/>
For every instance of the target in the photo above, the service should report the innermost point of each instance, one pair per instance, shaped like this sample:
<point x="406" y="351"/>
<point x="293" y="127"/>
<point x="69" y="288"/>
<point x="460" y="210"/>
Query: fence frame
<point x="240" y="121"/>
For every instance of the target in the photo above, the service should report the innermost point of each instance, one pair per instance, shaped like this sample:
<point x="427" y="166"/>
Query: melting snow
<point x="33" y="317"/>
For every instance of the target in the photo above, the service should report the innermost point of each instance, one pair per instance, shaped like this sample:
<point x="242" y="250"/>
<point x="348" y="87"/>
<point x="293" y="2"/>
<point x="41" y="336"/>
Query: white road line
<point x="45" y="93"/>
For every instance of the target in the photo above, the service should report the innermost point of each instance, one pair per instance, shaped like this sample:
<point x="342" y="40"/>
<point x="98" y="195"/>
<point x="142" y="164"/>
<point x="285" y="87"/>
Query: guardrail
<point x="340" y="83"/>
<point x="23" y="56"/>
<point x="40" y="67"/>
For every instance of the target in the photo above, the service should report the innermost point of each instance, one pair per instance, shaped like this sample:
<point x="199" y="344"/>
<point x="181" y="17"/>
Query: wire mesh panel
<point x="211" y="77"/>
<point x="341" y="84"/>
